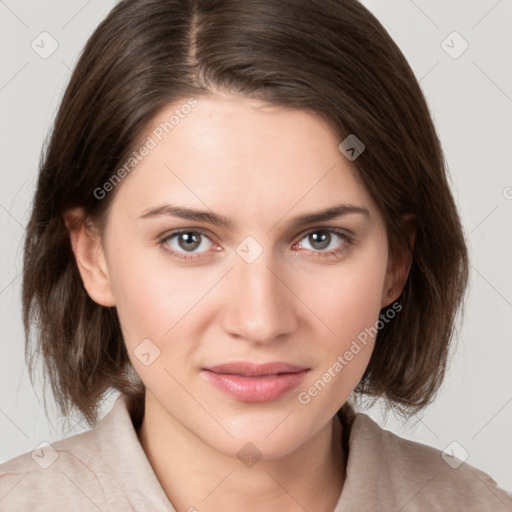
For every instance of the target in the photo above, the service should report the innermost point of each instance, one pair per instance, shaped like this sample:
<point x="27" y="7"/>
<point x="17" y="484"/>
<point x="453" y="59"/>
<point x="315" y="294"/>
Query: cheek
<point x="349" y="304"/>
<point x="156" y="299"/>
<point x="152" y="301"/>
<point x="350" y="308"/>
<point x="145" y="293"/>
<point x="347" y="297"/>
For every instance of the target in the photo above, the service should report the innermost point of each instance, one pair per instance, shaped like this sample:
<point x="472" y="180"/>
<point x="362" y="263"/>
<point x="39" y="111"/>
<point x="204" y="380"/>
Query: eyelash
<point x="347" y="241"/>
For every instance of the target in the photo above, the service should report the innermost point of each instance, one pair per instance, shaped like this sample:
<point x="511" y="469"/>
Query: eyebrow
<point x="220" y="221"/>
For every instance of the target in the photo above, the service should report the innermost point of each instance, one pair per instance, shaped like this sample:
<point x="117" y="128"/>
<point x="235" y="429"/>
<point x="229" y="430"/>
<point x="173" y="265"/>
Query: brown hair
<point x="330" y="57"/>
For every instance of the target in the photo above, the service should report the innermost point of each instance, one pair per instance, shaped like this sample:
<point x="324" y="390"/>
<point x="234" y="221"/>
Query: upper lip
<point x="248" y="369"/>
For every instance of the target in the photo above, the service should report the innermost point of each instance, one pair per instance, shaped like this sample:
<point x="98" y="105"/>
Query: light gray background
<point x="470" y="100"/>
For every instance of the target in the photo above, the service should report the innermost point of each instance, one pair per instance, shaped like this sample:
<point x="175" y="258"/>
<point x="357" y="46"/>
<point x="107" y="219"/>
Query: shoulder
<point x="59" y="473"/>
<point x="75" y="473"/>
<point x="416" y="476"/>
<point x="104" y="468"/>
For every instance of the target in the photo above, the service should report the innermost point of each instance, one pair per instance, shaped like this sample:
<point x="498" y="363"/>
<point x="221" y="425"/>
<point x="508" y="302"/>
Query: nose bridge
<point x="259" y="306"/>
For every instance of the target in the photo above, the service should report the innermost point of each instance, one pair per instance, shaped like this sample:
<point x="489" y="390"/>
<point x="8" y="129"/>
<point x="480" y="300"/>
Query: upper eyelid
<point x="336" y="230"/>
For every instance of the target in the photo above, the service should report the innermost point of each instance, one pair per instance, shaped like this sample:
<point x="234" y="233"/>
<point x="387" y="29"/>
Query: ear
<point x="398" y="268"/>
<point x="89" y="256"/>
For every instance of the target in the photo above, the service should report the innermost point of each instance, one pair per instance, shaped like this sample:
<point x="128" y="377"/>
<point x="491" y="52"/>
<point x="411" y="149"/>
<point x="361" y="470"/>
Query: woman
<point x="242" y="221"/>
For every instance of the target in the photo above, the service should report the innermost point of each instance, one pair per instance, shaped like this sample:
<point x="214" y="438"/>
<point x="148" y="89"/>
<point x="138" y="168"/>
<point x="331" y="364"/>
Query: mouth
<point x="249" y="382"/>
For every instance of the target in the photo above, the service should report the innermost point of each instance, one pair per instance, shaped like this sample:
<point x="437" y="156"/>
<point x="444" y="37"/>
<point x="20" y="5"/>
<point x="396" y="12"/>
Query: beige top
<point x="106" y="469"/>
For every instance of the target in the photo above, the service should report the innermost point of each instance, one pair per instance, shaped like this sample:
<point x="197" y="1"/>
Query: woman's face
<point x="260" y="288"/>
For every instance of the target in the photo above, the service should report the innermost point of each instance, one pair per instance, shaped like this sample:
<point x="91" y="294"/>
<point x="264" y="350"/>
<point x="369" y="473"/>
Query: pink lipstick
<point x="250" y="382"/>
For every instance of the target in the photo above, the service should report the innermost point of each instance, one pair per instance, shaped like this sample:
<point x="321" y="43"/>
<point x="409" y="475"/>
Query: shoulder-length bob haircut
<point x="330" y="57"/>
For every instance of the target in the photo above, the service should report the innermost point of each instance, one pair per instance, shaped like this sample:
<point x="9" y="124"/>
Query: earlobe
<point x="399" y="267"/>
<point x="89" y="257"/>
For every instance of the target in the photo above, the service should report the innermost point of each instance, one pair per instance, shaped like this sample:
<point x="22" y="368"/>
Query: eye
<point x="325" y="242"/>
<point x="182" y="242"/>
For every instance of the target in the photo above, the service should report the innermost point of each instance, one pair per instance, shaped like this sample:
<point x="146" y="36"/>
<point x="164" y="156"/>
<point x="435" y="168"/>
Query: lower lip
<point x="255" y="389"/>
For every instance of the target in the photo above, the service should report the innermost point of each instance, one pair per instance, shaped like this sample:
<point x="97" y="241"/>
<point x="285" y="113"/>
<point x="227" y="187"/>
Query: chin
<point x="255" y="446"/>
<point x="269" y="434"/>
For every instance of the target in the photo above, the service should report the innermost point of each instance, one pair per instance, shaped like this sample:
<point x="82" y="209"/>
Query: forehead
<point x="237" y="155"/>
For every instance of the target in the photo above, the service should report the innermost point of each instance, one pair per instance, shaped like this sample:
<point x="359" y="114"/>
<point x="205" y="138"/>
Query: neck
<point x="310" y="478"/>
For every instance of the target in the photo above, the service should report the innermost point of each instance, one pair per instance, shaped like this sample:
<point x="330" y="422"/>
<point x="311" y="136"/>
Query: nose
<point x="259" y="303"/>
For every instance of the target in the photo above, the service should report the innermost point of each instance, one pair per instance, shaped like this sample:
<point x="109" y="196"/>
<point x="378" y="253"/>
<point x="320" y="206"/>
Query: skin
<point x="291" y="304"/>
